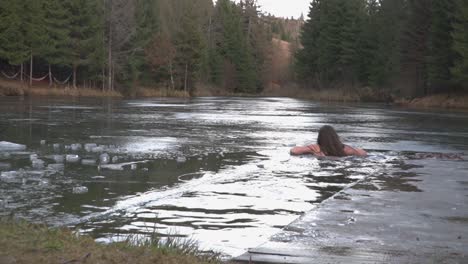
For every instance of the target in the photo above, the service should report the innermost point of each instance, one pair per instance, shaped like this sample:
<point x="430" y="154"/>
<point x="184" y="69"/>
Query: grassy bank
<point x="21" y="242"/>
<point x="16" y="88"/>
<point x="437" y="101"/>
<point x="330" y="95"/>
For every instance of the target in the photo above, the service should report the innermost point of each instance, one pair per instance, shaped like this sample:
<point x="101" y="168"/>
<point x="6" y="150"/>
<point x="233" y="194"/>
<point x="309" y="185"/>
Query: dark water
<point x="212" y="169"/>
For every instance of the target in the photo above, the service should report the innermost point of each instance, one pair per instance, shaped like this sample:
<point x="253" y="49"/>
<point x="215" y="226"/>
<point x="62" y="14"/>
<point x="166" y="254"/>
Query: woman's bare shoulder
<point x="350" y="151"/>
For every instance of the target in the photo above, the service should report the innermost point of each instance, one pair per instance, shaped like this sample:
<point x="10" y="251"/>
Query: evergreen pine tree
<point x="35" y="34"/>
<point x="441" y="55"/>
<point x="56" y="50"/>
<point x="12" y="38"/>
<point x="460" y="46"/>
<point x="85" y="28"/>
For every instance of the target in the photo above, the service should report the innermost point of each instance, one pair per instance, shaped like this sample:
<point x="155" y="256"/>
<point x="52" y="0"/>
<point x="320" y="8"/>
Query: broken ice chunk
<point x="88" y="162"/>
<point x="97" y="149"/>
<point x="72" y="158"/>
<point x="89" y="146"/>
<point x="75" y="147"/>
<point x="80" y="190"/>
<point x="43" y="142"/>
<point x="4" y="166"/>
<point x="8" y="146"/>
<point x="38" y="164"/>
<point x="104" y="158"/>
<point x="181" y="159"/>
<point x="58" y="158"/>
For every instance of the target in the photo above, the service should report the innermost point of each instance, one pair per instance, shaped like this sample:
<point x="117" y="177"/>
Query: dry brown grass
<point x="11" y="88"/>
<point x="21" y="242"/>
<point x="159" y="92"/>
<point x="16" y="88"/>
<point x="437" y="101"/>
<point x="332" y="95"/>
<point x="64" y="91"/>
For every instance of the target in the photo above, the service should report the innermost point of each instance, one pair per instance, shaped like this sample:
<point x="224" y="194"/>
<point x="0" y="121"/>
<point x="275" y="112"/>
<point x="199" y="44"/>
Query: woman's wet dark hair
<point x="330" y="142"/>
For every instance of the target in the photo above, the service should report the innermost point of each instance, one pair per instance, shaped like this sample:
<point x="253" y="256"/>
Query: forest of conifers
<point x="408" y="47"/>
<point x="413" y="47"/>
<point x="122" y="43"/>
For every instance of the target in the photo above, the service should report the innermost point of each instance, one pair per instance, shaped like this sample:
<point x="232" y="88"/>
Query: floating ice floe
<point x="89" y="146"/>
<point x="80" y="190"/>
<point x="9" y="146"/>
<point x="56" y="146"/>
<point x="97" y="149"/>
<point x="104" y="158"/>
<point x="76" y="147"/>
<point x="115" y="159"/>
<point x="4" y="166"/>
<point x="58" y="158"/>
<point x="55" y="168"/>
<point x="38" y="164"/>
<point x="88" y="162"/>
<point x="12" y="176"/>
<point x="121" y="166"/>
<point x="181" y="159"/>
<point x="98" y="177"/>
<point x="43" y="142"/>
<point x="72" y="158"/>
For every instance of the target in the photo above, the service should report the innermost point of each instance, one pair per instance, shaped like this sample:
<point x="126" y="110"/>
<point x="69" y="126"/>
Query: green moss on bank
<point x="22" y="242"/>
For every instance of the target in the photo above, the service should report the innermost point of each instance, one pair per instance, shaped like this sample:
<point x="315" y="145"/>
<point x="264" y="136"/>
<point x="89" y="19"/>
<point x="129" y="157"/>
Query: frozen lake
<point x="216" y="170"/>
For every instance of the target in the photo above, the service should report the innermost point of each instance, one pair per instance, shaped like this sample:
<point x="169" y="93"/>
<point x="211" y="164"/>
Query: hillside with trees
<point x="405" y="47"/>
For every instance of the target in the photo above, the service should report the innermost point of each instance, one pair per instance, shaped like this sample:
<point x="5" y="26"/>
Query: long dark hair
<point x="330" y="142"/>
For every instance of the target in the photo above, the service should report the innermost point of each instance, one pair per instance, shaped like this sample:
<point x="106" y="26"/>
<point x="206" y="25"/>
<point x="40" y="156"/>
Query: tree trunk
<point x="50" y="75"/>
<point x="31" y="70"/>
<point x="172" y="75"/>
<point x="103" y="78"/>
<point x="185" y="81"/>
<point x="109" y="51"/>
<point x="74" y="76"/>
<point x="21" y="73"/>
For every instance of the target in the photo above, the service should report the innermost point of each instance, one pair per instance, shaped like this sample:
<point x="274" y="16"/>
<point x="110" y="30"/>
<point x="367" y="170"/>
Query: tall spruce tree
<point x="85" y="37"/>
<point x="35" y="31"/>
<point x="13" y="47"/>
<point x="306" y="63"/>
<point x="415" y="49"/>
<point x="56" y="50"/>
<point x="386" y="65"/>
<point x="460" y="46"/>
<point x="441" y="55"/>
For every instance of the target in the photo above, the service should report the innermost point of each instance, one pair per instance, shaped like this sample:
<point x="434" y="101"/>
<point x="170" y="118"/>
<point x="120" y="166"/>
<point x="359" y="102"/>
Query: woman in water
<point x="328" y="144"/>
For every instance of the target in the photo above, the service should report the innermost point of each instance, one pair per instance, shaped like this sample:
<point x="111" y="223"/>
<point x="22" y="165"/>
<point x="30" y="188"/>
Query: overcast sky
<point x="285" y="8"/>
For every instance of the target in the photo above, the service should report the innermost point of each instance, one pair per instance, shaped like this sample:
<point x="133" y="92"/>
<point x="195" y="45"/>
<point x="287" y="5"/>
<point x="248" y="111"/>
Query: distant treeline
<point x="414" y="47"/>
<point x="127" y="43"/>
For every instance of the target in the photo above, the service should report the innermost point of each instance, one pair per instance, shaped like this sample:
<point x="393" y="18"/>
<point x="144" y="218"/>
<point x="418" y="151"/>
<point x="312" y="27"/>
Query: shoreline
<point x="438" y="101"/>
<point x="23" y="242"/>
